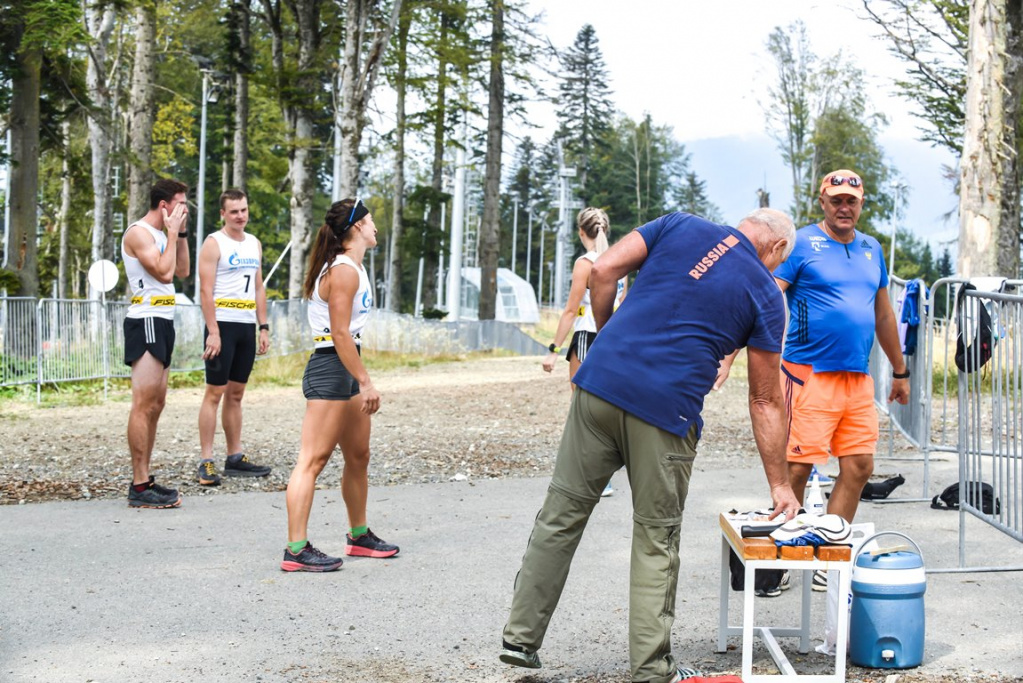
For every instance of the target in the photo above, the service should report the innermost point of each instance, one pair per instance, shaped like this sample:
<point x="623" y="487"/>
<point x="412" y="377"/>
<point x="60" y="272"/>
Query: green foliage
<point x="691" y="196"/>
<point x="634" y="178"/>
<point x="818" y="113"/>
<point x="931" y="37"/>
<point x="585" y="109"/>
<point x="9" y="280"/>
<point x="434" y="314"/>
<point x="847" y="138"/>
<point x="173" y="135"/>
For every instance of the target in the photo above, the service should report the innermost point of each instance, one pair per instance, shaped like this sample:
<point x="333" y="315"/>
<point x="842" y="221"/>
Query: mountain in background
<point x="735" y="167"/>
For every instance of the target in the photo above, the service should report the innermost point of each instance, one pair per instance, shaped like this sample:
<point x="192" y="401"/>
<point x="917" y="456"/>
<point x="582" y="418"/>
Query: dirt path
<point x="479" y="418"/>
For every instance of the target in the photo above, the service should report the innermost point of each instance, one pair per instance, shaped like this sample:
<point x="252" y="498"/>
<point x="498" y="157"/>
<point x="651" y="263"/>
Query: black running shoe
<point x="153" y="496"/>
<point x="208" y="475"/>
<point x="309" y="559"/>
<point x="238" y="465"/>
<point x="368" y="545"/>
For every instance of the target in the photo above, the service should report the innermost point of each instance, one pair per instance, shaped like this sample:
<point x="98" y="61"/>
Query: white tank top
<point x="319" y="315"/>
<point x="584" y="321"/>
<point x="234" y="291"/>
<point x="150" y="298"/>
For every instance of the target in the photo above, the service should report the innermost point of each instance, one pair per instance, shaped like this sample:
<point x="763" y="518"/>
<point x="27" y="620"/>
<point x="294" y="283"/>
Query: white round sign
<point x="103" y="275"/>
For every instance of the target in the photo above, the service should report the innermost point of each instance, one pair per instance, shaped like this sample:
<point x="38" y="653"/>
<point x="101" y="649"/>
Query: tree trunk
<point x="100" y="24"/>
<point x="301" y="204"/>
<point x="298" y="116"/>
<point x="490" y="230"/>
<point x="437" y="167"/>
<point x="241" y="94"/>
<point x="989" y="212"/>
<point x="358" y="78"/>
<point x="140" y="121"/>
<point x="65" y="213"/>
<point x="24" y="127"/>
<point x="394" y="262"/>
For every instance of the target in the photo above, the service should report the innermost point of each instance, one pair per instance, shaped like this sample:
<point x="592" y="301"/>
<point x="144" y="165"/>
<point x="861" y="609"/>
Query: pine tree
<point x="691" y="196"/>
<point x="585" y="107"/>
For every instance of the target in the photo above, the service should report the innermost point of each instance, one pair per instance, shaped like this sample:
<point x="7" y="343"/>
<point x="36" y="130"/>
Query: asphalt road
<point x="95" y="591"/>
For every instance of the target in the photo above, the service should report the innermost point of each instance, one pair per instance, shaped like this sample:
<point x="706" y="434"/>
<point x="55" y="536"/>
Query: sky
<point x="702" y="67"/>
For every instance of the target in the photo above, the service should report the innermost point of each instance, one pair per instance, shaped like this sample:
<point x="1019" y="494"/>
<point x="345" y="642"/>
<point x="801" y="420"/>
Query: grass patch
<point x="281" y="371"/>
<point x="543" y="331"/>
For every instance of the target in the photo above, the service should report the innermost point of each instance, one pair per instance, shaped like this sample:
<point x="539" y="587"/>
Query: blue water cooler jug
<point x="886" y="625"/>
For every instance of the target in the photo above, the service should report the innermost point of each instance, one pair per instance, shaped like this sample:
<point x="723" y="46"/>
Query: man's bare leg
<point x="148" y="397"/>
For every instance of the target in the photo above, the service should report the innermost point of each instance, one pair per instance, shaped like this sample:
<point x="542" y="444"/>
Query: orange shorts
<point x="829" y="413"/>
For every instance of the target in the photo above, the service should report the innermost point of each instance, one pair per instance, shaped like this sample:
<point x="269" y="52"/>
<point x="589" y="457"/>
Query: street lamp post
<point x="210" y="94"/>
<point x="539" y="276"/>
<point x="515" y="230"/>
<point x="529" y="240"/>
<point x="899" y="188"/>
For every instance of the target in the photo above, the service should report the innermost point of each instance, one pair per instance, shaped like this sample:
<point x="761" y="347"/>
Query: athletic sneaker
<point x="153" y="496"/>
<point x="683" y="673"/>
<point x="369" y="545"/>
<point x="238" y="465"/>
<point x="607" y="491"/>
<point x="518" y="656"/>
<point x="822" y="479"/>
<point x="820" y="580"/>
<point x="208" y="475"/>
<point x="309" y="559"/>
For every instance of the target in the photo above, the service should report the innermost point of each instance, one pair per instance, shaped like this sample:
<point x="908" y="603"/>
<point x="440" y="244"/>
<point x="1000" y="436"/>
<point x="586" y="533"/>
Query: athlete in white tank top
<point x="319" y="315"/>
<point x="234" y="291"/>
<point x="149" y="296"/>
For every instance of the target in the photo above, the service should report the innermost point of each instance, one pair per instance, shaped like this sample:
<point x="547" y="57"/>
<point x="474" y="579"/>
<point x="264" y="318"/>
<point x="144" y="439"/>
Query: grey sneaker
<point x="153" y="496"/>
<point x="208" y="475"/>
<point x="309" y="559"/>
<point x="238" y="465"/>
<point x="684" y="674"/>
<point x="517" y="656"/>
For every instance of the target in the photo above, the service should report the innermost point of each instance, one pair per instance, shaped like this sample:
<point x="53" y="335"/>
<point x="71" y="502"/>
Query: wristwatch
<point x="900" y="375"/>
<point x="264" y="326"/>
<point x="554" y="349"/>
<point x="183" y="234"/>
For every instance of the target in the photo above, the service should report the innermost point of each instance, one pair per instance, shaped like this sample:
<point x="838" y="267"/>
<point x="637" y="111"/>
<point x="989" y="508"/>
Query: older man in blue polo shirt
<point x="703" y="291"/>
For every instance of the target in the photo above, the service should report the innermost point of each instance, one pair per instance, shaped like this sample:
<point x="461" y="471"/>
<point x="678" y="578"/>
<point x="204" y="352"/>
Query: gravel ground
<point x="486" y="418"/>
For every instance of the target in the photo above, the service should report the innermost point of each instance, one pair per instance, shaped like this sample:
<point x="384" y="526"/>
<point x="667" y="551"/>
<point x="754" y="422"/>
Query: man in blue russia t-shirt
<point x="836" y="283"/>
<point x="703" y="291"/>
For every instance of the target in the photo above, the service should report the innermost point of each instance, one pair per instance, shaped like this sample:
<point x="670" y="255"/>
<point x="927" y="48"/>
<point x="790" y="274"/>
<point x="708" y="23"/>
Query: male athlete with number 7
<point x="233" y="302"/>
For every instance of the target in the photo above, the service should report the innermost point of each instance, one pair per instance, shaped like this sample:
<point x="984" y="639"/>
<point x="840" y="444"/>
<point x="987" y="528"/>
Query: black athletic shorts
<point x="580" y="344"/>
<point x="155" y="335"/>
<point x="237" y="354"/>
<point x="327" y="379"/>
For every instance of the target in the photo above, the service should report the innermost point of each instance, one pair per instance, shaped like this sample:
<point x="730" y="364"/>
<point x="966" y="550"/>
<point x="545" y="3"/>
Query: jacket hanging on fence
<point x="973" y="357"/>
<point x="909" y="315"/>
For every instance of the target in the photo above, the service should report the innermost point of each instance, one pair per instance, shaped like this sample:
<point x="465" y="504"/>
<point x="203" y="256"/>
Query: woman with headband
<point x="578" y="317"/>
<point x="340" y="398"/>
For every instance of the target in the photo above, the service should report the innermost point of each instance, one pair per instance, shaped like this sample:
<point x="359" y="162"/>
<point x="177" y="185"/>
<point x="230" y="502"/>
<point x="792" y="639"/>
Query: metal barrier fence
<point x="977" y="415"/>
<point x="59" y="340"/>
<point x="990" y="387"/>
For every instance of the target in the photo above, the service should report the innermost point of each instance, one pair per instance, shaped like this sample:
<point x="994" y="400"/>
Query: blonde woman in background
<point x="578" y="316"/>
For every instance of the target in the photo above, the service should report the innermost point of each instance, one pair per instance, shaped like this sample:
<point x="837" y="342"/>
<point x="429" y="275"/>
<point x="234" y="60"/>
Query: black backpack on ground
<point x="949" y="498"/>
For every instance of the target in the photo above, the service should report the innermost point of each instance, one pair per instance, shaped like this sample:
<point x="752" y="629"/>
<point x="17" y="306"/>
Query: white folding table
<point x="752" y="553"/>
